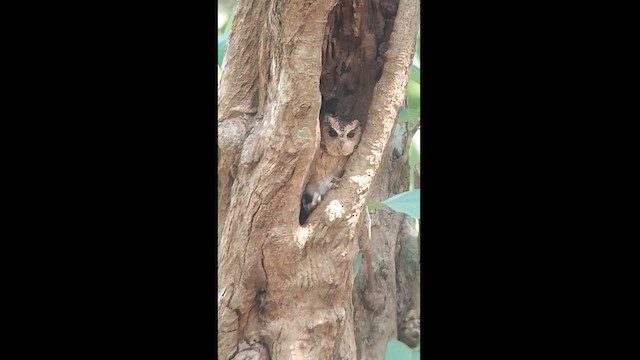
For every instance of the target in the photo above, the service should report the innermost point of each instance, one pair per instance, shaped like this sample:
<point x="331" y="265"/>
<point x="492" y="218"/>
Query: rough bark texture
<point x="390" y="310"/>
<point x="285" y="290"/>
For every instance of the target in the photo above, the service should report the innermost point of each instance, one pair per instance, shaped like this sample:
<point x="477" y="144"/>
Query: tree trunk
<point x="285" y="290"/>
<point x="383" y="312"/>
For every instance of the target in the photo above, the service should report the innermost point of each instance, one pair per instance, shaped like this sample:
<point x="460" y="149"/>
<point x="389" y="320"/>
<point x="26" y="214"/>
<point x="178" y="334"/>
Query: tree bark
<point x="285" y="290"/>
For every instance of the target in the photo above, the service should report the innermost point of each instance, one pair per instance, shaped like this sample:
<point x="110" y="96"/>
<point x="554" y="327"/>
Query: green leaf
<point x="375" y="206"/>
<point x="412" y="178"/>
<point x="222" y="46"/>
<point x="409" y="115"/>
<point x="414" y="158"/>
<point x="415" y="74"/>
<point x="413" y="95"/>
<point x="227" y="26"/>
<point x="407" y="202"/>
<point x="414" y="150"/>
<point x="397" y="350"/>
<point x="357" y="264"/>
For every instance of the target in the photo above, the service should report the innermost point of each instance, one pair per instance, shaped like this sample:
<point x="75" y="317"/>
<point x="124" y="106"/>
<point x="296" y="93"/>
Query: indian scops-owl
<point x="339" y="139"/>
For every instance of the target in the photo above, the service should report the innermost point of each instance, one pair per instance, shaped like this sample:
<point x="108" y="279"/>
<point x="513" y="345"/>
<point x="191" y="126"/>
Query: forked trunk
<point x="285" y="290"/>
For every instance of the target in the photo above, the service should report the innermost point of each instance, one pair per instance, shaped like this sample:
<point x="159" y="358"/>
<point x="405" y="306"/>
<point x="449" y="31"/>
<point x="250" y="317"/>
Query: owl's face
<point x="340" y="137"/>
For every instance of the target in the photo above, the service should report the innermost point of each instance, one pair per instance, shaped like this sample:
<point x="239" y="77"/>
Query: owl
<point x="339" y="139"/>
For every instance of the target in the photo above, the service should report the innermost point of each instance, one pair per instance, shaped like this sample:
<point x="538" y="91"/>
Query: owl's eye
<point x="351" y="134"/>
<point x="333" y="133"/>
